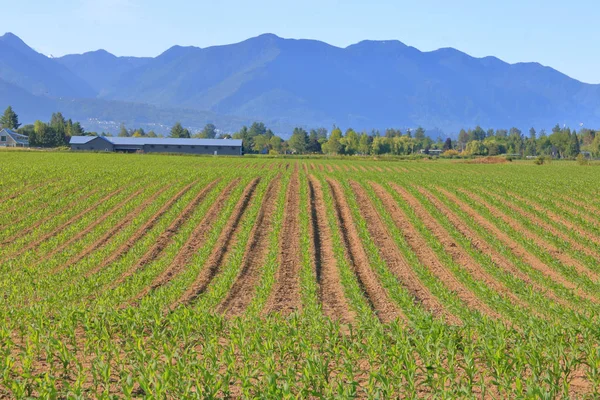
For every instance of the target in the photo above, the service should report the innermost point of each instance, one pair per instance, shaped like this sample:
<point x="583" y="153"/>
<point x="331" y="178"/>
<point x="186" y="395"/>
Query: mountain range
<point x="288" y="82"/>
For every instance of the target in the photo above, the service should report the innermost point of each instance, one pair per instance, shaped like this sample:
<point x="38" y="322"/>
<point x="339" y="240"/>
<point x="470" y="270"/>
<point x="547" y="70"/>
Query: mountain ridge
<point x="288" y="82"/>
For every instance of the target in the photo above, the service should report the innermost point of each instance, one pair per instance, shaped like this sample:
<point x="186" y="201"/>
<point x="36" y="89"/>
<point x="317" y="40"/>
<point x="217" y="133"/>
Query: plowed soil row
<point x="140" y="233"/>
<point x="224" y="243"/>
<point x="167" y="236"/>
<point x="560" y="219"/>
<point x="41" y="222"/>
<point x="31" y="209"/>
<point x="331" y="292"/>
<point x="458" y="254"/>
<point x="379" y="299"/>
<point x="395" y="260"/>
<point x="517" y="248"/>
<point x="128" y="219"/>
<point x="427" y="256"/>
<point x="478" y="243"/>
<point x="285" y="297"/>
<point x="92" y="226"/>
<point x="191" y="246"/>
<point x="564" y="258"/>
<point x="244" y="288"/>
<point x="588" y="208"/>
<point x="65" y="225"/>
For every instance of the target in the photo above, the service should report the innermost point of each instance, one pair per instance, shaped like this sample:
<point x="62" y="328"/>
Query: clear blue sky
<point x="560" y="33"/>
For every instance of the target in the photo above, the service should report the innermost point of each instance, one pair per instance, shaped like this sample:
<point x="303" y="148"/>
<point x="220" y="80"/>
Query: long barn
<point x="226" y="147"/>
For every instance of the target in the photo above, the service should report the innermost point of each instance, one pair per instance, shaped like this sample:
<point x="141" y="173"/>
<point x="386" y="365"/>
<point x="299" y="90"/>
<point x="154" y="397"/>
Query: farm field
<point x="188" y="277"/>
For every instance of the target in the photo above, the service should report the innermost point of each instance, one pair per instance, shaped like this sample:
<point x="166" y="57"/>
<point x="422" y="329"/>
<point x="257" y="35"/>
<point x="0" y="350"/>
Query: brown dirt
<point x="65" y="225"/>
<point x="113" y="231"/>
<point x="285" y="297"/>
<point x="331" y="292"/>
<point x="458" y="254"/>
<point x="321" y="167"/>
<point x="394" y="259"/>
<point x="587" y="207"/>
<point x="167" y="236"/>
<point x="91" y="227"/>
<point x="330" y="168"/>
<point x="516" y="248"/>
<point x="564" y="258"/>
<point x="482" y="246"/>
<point x="26" y="189"/>
<point x="243" y="289"/>
<point x="488" y="160"/>
<point x="32" y="208"/>
<point x="353" y="168"/>
<point x="563" y="221"/>
<point x="575" y="207"/>
<point x="191" y="246"/>
<point x="385" y="308"/>
<point x="41" y="222"/>
<point x="429" y="259"/>
<point x="226" y="240"/>
<point x="141" y="232"/>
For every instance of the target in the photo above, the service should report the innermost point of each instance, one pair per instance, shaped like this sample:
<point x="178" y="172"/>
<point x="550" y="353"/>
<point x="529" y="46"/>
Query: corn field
<point x="140" y="276"/>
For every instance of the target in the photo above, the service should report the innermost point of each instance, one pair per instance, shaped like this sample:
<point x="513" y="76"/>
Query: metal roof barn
<point x="157" y="145"/>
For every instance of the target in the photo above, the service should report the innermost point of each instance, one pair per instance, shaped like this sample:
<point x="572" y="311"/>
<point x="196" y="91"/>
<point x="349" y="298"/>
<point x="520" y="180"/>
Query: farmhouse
<point x="10" y="138"/>
<point x="226" y="147"/>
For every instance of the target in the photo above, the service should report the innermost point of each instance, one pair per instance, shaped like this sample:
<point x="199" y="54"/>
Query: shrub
<point x="540" y="160"/>
<point x="582" y="160"/>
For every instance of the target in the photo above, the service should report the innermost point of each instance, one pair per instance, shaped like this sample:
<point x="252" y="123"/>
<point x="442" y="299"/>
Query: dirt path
<point x="564" y="258"/>
<point x="92" y="226"/>
<point x="482" y="246"/>
<point x="556" y="231"/>
<point x="458" y="254"/>
<point x="244" y="288"/>
<point x="393" y="258"/>
<point x="285" y="297"/>
<point x="141" y="232"/>
<point x="166" y="237"/>
<point x="331" y="292"/>
<point x="429" y="259"/>
<point x="224" y="243"/>
<point x="385" y="308"/>
<point x="112" y="232"/>
<point x="41" y="222"/>
<point x="516" y="248"/>
<point x="191" y="246"/>
<point x="65" y="225"/>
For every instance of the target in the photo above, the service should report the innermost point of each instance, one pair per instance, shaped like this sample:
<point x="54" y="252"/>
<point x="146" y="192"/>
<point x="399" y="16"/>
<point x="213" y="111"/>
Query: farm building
<point x="10" y="138"/>
<point x="226" y="147"/>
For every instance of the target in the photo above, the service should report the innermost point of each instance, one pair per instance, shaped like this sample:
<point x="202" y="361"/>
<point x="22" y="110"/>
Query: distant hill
<point x="286" y="82"/>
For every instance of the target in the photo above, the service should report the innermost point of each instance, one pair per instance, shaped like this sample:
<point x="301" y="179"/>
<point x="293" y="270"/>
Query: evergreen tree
<point x="209" y="132"/>
<point x="123" y="132"/>
<point x="177" y="131"/>
<point x="9" y="119"/>
<point x="447" y="144"/>
<point x="298" y="141"/>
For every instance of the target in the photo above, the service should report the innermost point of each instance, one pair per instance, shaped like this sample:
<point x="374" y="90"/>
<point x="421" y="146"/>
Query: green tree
<point x="476" y="148"/>
<point x="123" y="132"/>
<point x="209" y="132"/>
<point x="298" y="141"/>
<point x="9" y="119"/>
<point x="364" y="144"/>
<point x="350" y="142"/>
<point x="276" y="143"/>
<point x="447" y="144"/>
<point x="314" y="145"/>
<point x="177" y="131"/>
<point x="334" y="144"/>
<point x="152" y="134"/>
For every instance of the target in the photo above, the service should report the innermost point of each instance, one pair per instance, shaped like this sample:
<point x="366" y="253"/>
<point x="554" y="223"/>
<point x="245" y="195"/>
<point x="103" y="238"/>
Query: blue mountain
<point x="286" y="82"/>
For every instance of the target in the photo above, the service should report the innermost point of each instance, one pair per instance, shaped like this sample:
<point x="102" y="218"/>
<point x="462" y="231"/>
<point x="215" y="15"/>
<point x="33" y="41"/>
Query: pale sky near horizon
<point x="557" y="33"/>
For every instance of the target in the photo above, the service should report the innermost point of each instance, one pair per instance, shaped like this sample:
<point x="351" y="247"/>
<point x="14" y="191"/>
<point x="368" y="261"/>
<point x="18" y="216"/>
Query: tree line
<point x="562" y="142"/>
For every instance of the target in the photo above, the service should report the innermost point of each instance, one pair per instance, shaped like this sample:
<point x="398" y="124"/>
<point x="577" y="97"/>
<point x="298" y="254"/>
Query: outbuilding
<point x="227" y="147"/>
<point x="9" y="138"/>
